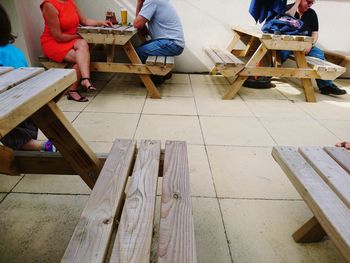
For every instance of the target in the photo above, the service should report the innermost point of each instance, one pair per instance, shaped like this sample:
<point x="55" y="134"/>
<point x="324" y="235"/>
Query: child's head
<point x="5" y="28"/>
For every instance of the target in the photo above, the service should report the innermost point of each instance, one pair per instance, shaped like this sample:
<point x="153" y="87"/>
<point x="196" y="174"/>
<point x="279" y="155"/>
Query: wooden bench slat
<point x="14" y="77"/>
<point x="340" y="155"/>
<point x="214" y="57"/>
<point x="170" y="61"/>
<point x="26" y="98"/>
<point x="151" y="60"/>
<point x="330" y="211"/>
<point x="5" y="69"/>
<point x="90" y="239"/>
<point x="176" y="234"/>
<point x="134" y="236"/>
<point x="160" y="61"/>
<point x="329" y="170"/>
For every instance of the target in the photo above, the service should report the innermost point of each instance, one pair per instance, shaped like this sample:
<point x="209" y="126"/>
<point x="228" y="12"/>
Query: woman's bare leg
<point x="33" y="145"/>
<point x="81" y="56"/>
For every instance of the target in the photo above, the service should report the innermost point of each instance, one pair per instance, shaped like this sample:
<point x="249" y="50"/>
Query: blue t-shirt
<point x="11" y="56"/>
<point x="163" y="21"/>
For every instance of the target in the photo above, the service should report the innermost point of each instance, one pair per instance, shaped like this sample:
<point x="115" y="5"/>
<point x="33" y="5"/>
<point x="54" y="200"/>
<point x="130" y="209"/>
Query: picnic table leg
<point x="110" y="53"/>
<point x="59" y="130"/>
<point x="310" y="232"/>
<point x="307" y="83"/>
<point x="134" y="58"/>
<point x="237" y="84"/>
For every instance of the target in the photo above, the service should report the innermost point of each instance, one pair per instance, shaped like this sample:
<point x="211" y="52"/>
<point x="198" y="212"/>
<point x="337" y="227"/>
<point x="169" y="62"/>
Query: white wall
<point x="205" y="22"/>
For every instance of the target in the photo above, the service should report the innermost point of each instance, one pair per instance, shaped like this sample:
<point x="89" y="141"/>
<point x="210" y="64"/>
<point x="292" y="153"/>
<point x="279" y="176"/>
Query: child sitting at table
<point x="24" y="136"/>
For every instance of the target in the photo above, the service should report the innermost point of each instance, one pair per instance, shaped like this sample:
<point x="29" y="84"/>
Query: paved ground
<point x="245" y="208"/>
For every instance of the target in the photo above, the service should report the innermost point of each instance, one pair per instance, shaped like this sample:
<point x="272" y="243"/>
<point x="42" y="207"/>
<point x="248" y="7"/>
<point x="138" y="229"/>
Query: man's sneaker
<point x="332" y="90"/>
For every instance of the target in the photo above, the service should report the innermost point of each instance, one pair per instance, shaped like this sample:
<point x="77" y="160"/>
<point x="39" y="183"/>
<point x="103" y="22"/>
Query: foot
<point x="168" y="76"/>
<point x="346" y="145"/>
<point x="48" y="147"/>
<point x="157" y="80"/>
<point x="86" y="83"/>
<point x="75" y="95"/>
<point x="332" y="90"/>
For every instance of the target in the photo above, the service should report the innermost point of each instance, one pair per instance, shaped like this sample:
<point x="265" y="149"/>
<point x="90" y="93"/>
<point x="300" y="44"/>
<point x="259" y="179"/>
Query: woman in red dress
<point x="61" y="42"/>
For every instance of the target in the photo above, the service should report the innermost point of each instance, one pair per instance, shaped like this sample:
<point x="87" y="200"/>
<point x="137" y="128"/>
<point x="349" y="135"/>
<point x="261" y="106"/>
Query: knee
<point x="82" y="44"/>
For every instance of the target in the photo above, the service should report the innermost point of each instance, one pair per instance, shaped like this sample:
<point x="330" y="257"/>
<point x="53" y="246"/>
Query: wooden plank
<point x="329" y="210"/>
<point x="279" y="72"/>
<point x="170" y="61"/>
<point x="107" y="39"/>
<point x="91" y="236"/>
<point x="160" y="62"/>
<point x="134" y="58"/>
<point x="237" y="84"/>
<point x="176" y="235"/>
<point x="214" y="57"/>
<point x="329" y="170"/>
<point x="33" y="162"/>
<point x="7" y="164"/>
<point x="120" y="68"/>
<point x="310" y="232"/>
<point x="277" y="43"/>
<point x="18" y="103"/>
<point x="5" y="69"/>
<point x="14" y="77"/>
<point x="249" y="30"/>
<point x="151" y="60"/>
<point x="341" y="156"/>
<point x="53" y="123"/>
<point x="306" y="82"/>
<point x="228" y="58"/>
<point x="134" y="236"/>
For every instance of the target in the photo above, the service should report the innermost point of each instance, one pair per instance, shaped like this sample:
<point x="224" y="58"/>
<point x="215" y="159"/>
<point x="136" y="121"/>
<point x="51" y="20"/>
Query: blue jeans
<point x="316" y="53"/>
<point x="158" y="47"/>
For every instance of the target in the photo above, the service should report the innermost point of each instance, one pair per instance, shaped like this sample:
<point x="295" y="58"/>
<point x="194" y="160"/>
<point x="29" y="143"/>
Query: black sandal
<point x="70" y="97"/>
<point x="89" y="88"/>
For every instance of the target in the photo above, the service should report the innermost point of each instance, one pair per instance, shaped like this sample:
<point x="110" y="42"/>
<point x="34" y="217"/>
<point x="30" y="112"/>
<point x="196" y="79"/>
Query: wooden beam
<point x="134" y="236"/>
<point x="120" y="67"/>
<point x="176" y="234"/>
<point x="134" y="58"/>
<point x="53" y="123"/>
<point x="310" y="232"/>
<point x="7" y="163"/>
<point x="91" y="236"/>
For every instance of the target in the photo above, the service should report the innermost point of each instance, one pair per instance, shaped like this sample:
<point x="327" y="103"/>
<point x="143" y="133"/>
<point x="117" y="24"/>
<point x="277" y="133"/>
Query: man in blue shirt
<point x="164" y="27"/>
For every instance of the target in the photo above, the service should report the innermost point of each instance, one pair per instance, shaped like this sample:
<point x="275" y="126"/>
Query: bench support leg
<point x="307" y="83"/>
<point x="78" y="154"/>
<point x="237" y="84"/>
<point x="310" y="232"/>
<point x="134" y="58"/>
<point x="7" y="163"/>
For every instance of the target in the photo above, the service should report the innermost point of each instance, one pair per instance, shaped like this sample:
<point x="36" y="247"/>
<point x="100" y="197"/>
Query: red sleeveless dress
<point x="69" y="21"/>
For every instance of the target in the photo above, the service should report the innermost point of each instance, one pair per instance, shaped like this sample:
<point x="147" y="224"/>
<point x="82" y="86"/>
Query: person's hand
<point x="307" y="50"/>
<point x="106" y="23"/>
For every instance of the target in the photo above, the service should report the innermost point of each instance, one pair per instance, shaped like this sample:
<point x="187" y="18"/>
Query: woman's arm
<point x="294" y="8"/>
<point x="91" y="22"/>
<point x="51" y="17"/>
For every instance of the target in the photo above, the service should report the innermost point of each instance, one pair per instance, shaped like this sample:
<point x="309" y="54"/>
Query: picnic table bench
<point x="119" y="35"/>
<point x="257" y="45"/>
<point x="322" y="178"/>
<point x="32" y="93"/>
<point x="128" y="208"/>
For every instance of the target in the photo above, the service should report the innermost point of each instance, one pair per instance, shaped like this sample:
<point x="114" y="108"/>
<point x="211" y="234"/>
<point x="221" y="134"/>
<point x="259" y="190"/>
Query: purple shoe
<point x="49" y="147"/>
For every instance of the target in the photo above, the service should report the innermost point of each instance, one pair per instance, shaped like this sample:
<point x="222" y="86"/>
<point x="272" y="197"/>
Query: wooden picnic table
<point x="121" y="36"/>
<point x="322" y="178"/>
<point x="256" y="46"/>
<point x="32" y="93"/>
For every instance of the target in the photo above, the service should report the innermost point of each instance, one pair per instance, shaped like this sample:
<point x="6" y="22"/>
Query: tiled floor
<point x="245" y="209"/>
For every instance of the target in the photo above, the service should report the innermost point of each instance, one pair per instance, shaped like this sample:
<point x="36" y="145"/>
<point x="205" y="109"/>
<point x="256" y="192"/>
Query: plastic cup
<point x="124" y="16"/>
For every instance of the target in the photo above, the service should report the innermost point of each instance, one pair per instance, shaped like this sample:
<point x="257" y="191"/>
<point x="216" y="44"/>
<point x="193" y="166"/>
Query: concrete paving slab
<point x="37" y="228"/>
<point x="248" y="172"/>
<point x="8" y="182"/>
<point x="260" y="231"/>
